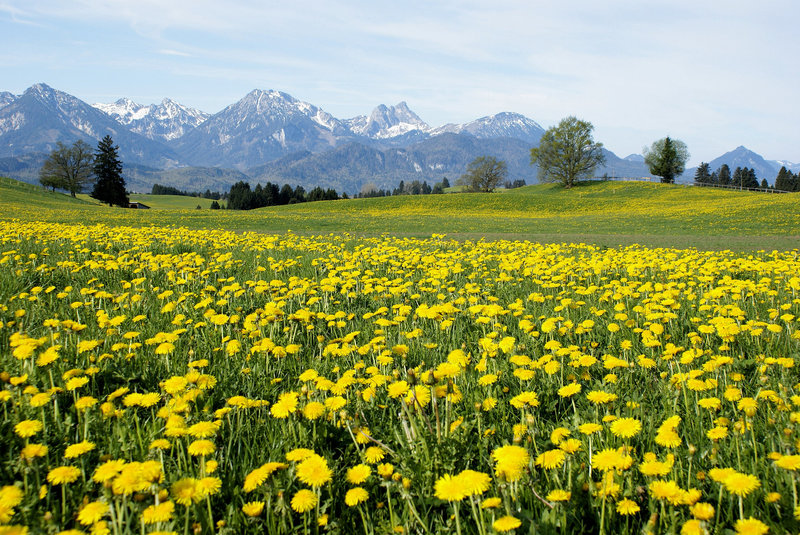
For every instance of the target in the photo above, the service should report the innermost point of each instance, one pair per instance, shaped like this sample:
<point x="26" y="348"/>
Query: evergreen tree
<point x="724" y="175"/>
<point x="750" y="179"/>
<point x="783" y="180"/>
<point x="764" y="183"/>
<point x="110" y="186"/>
<point x="745" y="178"/>
<point x="738" y="177"/>
<point x="667" y="158"/>
<point x="240" y="196"/>
<point x="702" y="175"/>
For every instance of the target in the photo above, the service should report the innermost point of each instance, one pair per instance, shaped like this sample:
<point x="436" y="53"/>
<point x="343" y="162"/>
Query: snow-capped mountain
<point x="504" y="124"/>
<point x="166" y="121"/>
<point x="261" y="127"/>
<point x="790" y="166"/>
<point x="42" y="116"/>
<point x="6" y="98"/>
<point x="387" y="122"/>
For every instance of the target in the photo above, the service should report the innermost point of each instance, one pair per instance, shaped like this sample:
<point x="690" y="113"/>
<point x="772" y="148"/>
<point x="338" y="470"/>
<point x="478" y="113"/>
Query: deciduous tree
<point x="484" y="174"/>
<point x="567" y="153"/>
<point x="68" y="168"/>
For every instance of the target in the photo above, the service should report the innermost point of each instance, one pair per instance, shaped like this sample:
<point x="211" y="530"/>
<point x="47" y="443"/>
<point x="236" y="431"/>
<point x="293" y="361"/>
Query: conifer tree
<point x="702" y="175"/>
<point x="724" y="175"/>
<point x="666" y="158"/>
<point x="109" y="186"/>
<point x="783" y="180"/>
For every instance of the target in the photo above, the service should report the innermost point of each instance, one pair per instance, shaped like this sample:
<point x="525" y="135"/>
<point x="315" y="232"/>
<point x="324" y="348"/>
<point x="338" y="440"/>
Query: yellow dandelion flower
<point x="92" y="512"/>
<point x="314" y="471"/>
<point x="627" y="507"/>
<point x="356" y="496"/>
<point x="702" y="511"/>
<point x="201" y="448"/>
<point x="626" y="427"/>
<point x="374" y="454"/>
<point x="473" y="482"/>
<point x="741" y="484"/>
<point x="510" y="461"/>
<point x="28" y="428"/>
<point x="551" y="459"/>
<point x="569" y="390"/>
<point x="304" y="500"/>
<point x="750" y="526"/>
<point x="76" y="450"/>
<point x="358" y="474"/>
<point x="559" y="495"/>
<point x="186" y="491"/>
<point x="253" y="508"/>
<point x="506" y="523"/>
<point x="63" y="474"/>
<point x="158" y="513"/>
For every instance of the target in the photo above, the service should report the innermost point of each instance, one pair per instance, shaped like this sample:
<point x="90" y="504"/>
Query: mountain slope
<point x="261" y="127"/>
<point x="41" y="116"/>
<point x="741" y="157"/>
<point x="387" y="122"/>
<point x="506" y="124"/>
<point x="165" y="122"/>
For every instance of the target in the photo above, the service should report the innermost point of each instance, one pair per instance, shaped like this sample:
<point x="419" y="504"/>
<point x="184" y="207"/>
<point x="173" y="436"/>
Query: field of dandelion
<point x="165" y="379"/>
<point x="603" y="213"/>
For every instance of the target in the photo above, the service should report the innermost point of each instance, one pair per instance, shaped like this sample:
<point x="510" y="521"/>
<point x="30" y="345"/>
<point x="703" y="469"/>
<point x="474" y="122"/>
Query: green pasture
<point x="604" y="213"/>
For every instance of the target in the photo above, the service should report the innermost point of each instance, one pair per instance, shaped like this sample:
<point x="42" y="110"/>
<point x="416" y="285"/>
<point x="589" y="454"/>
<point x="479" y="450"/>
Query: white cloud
<point x="170" y="52"/>
<point x="712" y="74"/>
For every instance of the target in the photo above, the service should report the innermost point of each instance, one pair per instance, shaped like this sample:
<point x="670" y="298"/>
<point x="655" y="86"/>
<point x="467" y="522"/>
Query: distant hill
<point x="42" y="116"/>
<point x="270" y="135"/>
<point x="744" y="157"/>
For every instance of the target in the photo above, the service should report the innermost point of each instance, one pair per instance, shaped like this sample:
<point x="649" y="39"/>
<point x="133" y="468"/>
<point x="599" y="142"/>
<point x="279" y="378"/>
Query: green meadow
<point x="603" y="213"/>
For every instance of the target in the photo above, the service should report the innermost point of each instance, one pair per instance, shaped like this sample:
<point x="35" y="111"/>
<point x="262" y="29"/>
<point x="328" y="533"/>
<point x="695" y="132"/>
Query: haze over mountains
<point x="270" y="135"/>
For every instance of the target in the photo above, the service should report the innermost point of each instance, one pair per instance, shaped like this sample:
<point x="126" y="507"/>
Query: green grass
<point x="605" y="213"/>
<point x="162" y="202"/>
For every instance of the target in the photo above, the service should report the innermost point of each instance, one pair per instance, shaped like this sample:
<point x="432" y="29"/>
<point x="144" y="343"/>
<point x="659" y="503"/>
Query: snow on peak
<point x="167" y="120"/>
<point x="504" y="124"/>
<point x="387" y="122"/>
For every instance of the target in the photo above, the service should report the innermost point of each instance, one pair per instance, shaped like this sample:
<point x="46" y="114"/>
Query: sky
<point x="714" y="74"/>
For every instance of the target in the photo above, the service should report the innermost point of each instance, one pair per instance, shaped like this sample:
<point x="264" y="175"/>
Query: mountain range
<point x="270" y="135"/>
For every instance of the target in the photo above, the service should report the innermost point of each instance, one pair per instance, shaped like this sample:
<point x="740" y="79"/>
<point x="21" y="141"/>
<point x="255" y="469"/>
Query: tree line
<point x="242" y="197"/>
<point x="742" y="177"/>
<point x="787" y="181"/>
<point x="159" y="189"/>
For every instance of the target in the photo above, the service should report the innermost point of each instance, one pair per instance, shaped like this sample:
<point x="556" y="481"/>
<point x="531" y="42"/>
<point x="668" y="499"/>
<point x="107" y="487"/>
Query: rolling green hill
<point x="605" y="213"/>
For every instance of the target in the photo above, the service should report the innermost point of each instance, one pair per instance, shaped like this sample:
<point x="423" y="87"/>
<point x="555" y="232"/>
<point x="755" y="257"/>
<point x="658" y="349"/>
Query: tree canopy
<point x="484" y="174"/>
<point x="666" y="158"/>
<point x="68" y="168"/>
<point x="110" y="185"/>
<point x="567" y="153"/>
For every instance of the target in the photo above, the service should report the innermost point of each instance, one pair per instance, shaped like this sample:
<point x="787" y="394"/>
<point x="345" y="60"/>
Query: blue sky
<point x="713" y="74"/>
